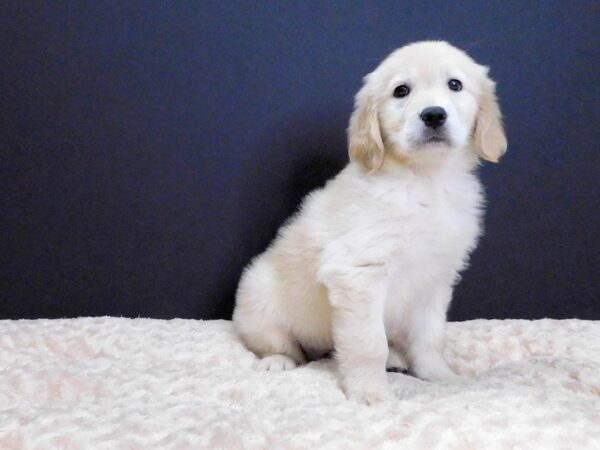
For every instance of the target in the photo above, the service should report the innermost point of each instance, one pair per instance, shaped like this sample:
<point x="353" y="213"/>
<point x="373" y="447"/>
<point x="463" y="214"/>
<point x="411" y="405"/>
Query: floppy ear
<point x="488" y="137"/>
<point x="364" y="135"/>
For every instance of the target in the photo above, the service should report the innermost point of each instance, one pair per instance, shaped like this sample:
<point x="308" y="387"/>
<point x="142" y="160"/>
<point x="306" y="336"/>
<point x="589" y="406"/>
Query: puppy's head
<point x="425" y="100"/>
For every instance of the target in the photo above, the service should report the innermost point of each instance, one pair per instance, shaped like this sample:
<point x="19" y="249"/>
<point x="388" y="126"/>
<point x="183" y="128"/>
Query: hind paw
<point x="276" y="363"/>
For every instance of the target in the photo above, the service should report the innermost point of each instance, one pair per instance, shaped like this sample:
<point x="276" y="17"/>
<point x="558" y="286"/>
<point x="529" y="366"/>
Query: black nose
<point x="434" y="116"/>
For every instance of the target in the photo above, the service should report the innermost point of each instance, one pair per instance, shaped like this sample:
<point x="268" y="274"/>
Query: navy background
<point x="150" y="149"/>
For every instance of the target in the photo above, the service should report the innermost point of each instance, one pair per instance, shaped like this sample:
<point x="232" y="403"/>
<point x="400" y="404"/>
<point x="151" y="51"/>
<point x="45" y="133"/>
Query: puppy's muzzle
<point x="433" y="116"/>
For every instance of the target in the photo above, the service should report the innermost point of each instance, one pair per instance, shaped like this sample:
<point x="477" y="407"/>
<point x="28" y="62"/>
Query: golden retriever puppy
<point x="366" y="268"/>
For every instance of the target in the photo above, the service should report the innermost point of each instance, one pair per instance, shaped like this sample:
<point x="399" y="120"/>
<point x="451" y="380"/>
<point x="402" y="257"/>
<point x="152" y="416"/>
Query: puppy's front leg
<point x="356" y="295"/>
<point x="426" y="337"/>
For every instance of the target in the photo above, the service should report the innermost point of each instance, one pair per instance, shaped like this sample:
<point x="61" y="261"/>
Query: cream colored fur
<point x="368" y="265"/>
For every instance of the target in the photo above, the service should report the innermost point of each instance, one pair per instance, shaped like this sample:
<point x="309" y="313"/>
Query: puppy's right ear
<point x="364" y="135"/>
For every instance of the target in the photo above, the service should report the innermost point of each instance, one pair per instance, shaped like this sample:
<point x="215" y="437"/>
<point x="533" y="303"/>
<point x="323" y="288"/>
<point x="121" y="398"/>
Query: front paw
<point x="434" y="369"/>
<point x="370" y="394"/>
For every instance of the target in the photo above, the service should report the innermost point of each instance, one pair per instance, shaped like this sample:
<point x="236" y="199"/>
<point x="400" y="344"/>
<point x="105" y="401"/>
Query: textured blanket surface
<point x="112" y="383"/>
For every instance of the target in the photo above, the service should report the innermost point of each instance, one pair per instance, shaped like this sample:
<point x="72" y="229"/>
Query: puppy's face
<point x="427" y="98"/>
<point x="431" y="100"/>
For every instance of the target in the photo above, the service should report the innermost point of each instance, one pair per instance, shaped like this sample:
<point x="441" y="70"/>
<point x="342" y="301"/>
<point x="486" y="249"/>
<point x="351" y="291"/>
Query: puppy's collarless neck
<point x="427" y="165"/>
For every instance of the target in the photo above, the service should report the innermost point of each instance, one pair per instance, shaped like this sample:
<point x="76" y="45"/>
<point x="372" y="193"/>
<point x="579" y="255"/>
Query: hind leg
<point x="259" y="321"/>
<point x="277" y="350"/>
<point x="276" y="347"/>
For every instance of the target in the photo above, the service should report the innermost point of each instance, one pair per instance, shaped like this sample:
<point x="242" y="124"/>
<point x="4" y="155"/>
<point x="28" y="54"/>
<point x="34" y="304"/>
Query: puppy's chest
<point x="440" y="218"/>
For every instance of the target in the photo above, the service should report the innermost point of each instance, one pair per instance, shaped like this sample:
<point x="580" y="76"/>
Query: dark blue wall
<point x="149" y="149"/>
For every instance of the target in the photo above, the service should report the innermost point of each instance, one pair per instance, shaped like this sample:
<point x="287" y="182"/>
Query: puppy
<point x="366" y="268"/>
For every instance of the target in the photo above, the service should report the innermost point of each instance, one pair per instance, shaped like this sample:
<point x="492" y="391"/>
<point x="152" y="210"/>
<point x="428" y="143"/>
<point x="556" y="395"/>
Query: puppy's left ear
<point x="488" y="137"/>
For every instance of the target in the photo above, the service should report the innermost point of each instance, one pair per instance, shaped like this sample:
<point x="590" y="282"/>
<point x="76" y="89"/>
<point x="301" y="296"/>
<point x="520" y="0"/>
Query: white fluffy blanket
<point x="111" y="383"/>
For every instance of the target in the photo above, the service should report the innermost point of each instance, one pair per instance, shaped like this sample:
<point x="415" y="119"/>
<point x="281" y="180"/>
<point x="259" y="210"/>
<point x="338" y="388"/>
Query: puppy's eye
<point x="455" y="85"/>
<point x="401" y="91"/>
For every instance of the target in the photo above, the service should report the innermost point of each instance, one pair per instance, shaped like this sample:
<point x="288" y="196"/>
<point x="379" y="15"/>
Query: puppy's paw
<point x="275" y="363"/>
<point x="434" y="370"/>
<point x="370" y="395"/>
<point x="395" y="361"/>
